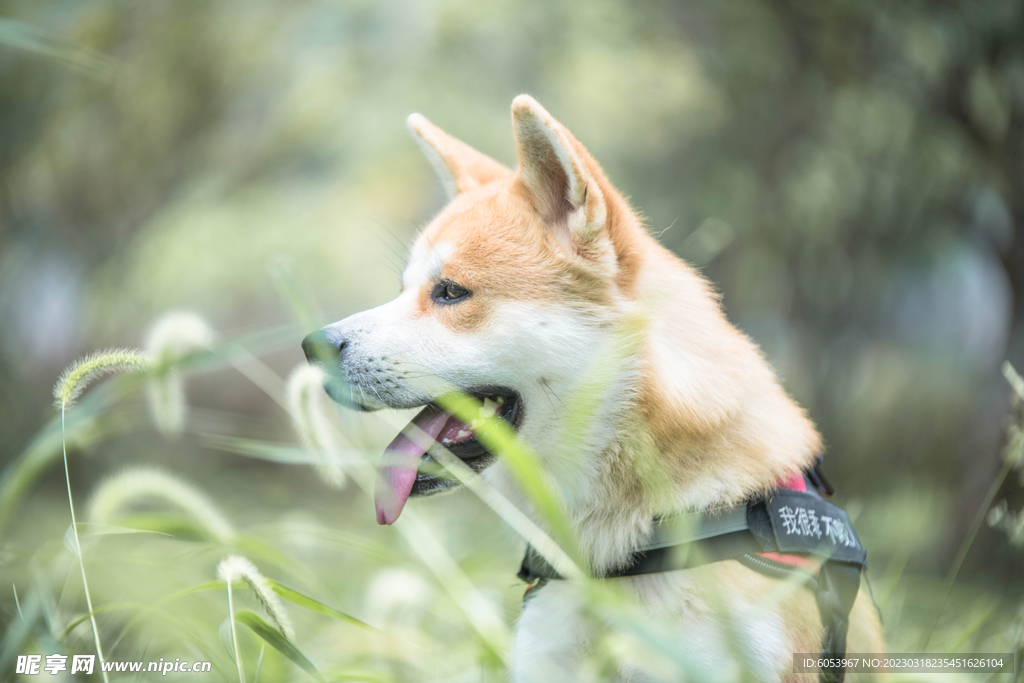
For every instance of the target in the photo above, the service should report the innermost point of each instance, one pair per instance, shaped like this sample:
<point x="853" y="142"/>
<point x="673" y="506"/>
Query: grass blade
<point x="277" y="640"/>
<point x="317" y="606"/>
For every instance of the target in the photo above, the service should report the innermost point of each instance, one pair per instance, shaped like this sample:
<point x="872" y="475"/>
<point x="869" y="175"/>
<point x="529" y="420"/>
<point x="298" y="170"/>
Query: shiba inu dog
<point x="514" y="294"/>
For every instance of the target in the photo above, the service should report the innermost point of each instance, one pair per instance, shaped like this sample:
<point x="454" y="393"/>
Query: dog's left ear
<point x="460" y="167"/>
<point x="559" y="175"/>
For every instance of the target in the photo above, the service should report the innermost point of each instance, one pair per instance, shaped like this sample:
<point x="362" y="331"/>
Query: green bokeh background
<point x="849" y="175"/>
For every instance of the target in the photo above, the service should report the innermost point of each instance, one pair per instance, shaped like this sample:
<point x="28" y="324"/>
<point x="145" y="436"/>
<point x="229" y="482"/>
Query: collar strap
<point x="786" y="521"/>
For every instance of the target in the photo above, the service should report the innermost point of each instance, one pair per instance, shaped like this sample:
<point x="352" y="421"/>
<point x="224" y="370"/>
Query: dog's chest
<point x="556" y="639"/>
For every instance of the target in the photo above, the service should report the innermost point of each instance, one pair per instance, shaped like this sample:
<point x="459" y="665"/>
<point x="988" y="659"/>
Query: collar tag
<point x="802" y="522"/>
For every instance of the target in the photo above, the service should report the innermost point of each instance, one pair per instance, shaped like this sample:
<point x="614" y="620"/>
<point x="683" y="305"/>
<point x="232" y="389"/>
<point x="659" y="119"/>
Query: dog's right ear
<point x="459" y="166"/>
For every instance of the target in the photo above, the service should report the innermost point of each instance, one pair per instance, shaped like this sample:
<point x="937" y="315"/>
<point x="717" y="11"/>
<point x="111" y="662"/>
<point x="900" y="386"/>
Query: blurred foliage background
<point x="850" y="175"/>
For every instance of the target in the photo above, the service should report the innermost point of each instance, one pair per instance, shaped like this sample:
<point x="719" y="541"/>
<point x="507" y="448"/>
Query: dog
<point x="524" y="285"/>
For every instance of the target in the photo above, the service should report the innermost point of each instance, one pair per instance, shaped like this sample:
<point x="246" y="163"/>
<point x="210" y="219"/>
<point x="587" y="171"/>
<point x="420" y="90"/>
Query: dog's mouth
<point x="407" y="468"/>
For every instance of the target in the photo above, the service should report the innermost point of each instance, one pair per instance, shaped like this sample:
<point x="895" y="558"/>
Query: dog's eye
<point x="447" y="292"/>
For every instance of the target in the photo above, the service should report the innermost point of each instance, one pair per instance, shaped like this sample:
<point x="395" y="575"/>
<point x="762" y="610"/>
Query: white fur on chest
<point x="558" y="639"/>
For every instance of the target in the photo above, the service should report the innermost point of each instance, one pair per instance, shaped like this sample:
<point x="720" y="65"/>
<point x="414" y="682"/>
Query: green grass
<point x="329" y="595"/>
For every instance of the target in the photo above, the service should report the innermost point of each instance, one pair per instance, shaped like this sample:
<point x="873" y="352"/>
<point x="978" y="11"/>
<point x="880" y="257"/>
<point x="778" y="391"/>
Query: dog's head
<point x="508" y="294"/>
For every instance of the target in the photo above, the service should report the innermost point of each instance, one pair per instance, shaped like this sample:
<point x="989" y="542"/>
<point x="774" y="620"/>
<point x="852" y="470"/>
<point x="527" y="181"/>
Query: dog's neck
<point x="706" y="423"/>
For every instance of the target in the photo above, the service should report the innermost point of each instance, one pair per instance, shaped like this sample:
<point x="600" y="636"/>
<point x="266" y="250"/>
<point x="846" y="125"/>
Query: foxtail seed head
<point x="80" y="374"/>
<point x="237" y="568"/>
<point x="172" y="337"/>
<point x="305" y="391"/>
<point x="146" y="484"/>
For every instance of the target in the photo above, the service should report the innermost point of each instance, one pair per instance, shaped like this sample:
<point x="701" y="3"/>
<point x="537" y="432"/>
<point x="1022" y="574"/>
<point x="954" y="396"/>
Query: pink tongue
<point x="397" y="472"/>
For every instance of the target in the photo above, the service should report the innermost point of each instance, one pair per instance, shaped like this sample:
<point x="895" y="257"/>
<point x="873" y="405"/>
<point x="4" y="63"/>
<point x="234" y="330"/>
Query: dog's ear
<point x="460" y="166"/>
<point x="559" y="175"/>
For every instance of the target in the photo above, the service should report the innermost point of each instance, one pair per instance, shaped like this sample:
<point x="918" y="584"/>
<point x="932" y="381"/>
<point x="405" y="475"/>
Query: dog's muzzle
<point x="326" y="350"/>
<point x="399" y="475"/>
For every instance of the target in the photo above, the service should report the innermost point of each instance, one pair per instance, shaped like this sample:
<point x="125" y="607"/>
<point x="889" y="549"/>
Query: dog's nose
<point x="320" y="348"/>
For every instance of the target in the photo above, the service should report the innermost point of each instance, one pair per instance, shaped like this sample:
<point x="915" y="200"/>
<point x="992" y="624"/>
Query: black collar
<point x="787" y="521"/>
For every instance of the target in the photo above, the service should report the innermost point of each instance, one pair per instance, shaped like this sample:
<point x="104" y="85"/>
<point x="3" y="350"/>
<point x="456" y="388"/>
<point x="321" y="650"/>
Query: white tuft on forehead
<point x="426" y="262"/>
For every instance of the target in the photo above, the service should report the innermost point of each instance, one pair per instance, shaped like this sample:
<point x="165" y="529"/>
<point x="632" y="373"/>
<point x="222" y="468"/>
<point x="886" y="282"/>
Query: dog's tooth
<point x="489" y="408"/>
<point x="501" y="400"/>
<point x="446" y="441"/>
<point x="462" y="433"/>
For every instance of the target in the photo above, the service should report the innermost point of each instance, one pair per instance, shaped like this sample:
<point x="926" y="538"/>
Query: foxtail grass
<point x="77" y="377"/>
<point x="305" y="391"/>
<point x="237" y="568"/>
<point x="225" y="573"/>
<point x="1013" y="456"/>
<point x="72" y="383"/>
<point x="1011" y="523"/>
<point x="170" y="339"/>
<point x="143" y="484"/>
